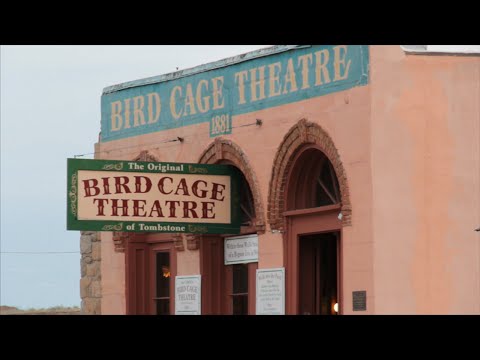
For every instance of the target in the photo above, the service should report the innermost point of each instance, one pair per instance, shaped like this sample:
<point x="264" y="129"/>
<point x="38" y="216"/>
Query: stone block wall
<point x="90" y="282"/>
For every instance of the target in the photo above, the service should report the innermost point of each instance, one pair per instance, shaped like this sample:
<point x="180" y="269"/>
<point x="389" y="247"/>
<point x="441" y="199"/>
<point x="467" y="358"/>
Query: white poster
<point x="270" y="291"/>
<point x="188" y="295"/>
<point x="241" y="249"/>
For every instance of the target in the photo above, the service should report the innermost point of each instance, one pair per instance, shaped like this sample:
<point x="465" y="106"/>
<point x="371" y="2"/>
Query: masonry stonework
<point x="90" y="281"/>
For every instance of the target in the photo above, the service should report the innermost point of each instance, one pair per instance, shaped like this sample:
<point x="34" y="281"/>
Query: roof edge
<point x="202" y="68"/>
<point x="442" y="49"/>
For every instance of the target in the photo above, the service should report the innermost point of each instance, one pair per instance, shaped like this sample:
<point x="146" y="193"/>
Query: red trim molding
<point x="178" y="242"/>
<point x="120" y="241"/>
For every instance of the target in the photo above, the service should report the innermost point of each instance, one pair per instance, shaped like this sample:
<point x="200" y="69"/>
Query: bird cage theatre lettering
<point x="217" y="95"/>
<point x="152" y="197"/>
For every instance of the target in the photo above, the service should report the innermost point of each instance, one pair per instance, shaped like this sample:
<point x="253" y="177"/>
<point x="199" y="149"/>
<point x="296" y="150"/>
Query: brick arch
<point x="222" y="149"/>
<point x="303" y="133"/>
<point x="145" y="156"/>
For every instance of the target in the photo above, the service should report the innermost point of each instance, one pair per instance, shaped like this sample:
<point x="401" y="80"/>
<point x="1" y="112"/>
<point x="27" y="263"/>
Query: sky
<point x="50" y="111"/>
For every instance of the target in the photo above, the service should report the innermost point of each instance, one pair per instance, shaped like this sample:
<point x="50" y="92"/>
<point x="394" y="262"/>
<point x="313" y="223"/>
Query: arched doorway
<point x="309" y="204"/>
<point x="230" y="289"/>
<point x="312" y="208"/>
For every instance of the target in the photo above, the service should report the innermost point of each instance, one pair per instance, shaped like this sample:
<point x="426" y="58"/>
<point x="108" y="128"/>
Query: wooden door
<point x="150" y="274"/>
<point x="303" y="223"/>
<point x="318" y="274"/>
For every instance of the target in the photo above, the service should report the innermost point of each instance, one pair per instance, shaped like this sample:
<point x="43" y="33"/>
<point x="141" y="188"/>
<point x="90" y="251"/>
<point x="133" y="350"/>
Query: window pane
<point x="246" y="201"/>
<point x="240" y="278"/>
<point x="163" y="274"/>
<point x="240" y="305"/>
<point x="326" y="177"/>
<point x="322" y="198"/>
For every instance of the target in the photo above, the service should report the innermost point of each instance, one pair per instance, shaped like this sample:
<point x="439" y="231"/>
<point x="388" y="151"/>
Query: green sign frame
<point x="202" y="170"/>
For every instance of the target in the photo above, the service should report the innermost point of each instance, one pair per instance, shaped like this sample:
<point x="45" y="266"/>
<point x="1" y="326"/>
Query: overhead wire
<point x="157" y="144"/>
<point x="40" y="252"/>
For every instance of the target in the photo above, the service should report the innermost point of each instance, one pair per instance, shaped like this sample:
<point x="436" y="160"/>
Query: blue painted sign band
<point x="217" y="95"/>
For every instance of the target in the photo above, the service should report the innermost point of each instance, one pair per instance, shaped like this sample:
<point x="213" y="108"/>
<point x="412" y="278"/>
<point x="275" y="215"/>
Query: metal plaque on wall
<point x="359" y="300"/>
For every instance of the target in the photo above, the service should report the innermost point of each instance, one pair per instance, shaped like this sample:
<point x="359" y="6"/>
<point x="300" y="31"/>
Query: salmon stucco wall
<point x="188" y="262"/>
<point x="409" y="144"/>
<point x="344" y="116"/>
<point x="426" y="182"/>
<point x="113" y="278"/>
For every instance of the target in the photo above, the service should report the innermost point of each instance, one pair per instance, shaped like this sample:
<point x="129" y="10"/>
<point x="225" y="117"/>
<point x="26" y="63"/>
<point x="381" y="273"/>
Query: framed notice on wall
<point x="270" y="291"/>
<point x="241" y="249"/>
<point x="188" y="295"/>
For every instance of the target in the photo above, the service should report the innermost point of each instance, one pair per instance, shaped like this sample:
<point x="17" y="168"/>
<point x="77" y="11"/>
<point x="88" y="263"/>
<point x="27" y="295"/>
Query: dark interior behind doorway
<point x="318" y="274"/>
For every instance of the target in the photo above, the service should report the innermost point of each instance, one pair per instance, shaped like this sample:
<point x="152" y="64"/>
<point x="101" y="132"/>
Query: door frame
<point x="164" y="247"/>
<point x="306" y="222"/>
<point x="139" y="274"/>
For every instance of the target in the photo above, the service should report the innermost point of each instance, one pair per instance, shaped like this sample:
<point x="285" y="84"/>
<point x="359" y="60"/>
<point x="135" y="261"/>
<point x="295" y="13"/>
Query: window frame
<point x="140" y="269"/>
<point x="154" y="248"/>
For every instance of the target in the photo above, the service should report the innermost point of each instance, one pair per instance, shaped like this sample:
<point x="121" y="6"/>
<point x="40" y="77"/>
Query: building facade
<point x="361" y="181"/>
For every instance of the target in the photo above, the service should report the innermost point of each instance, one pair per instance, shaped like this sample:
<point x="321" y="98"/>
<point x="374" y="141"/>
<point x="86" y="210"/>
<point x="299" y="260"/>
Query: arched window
<point x="247" y="205"/>
<point x="313" y="182"/>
